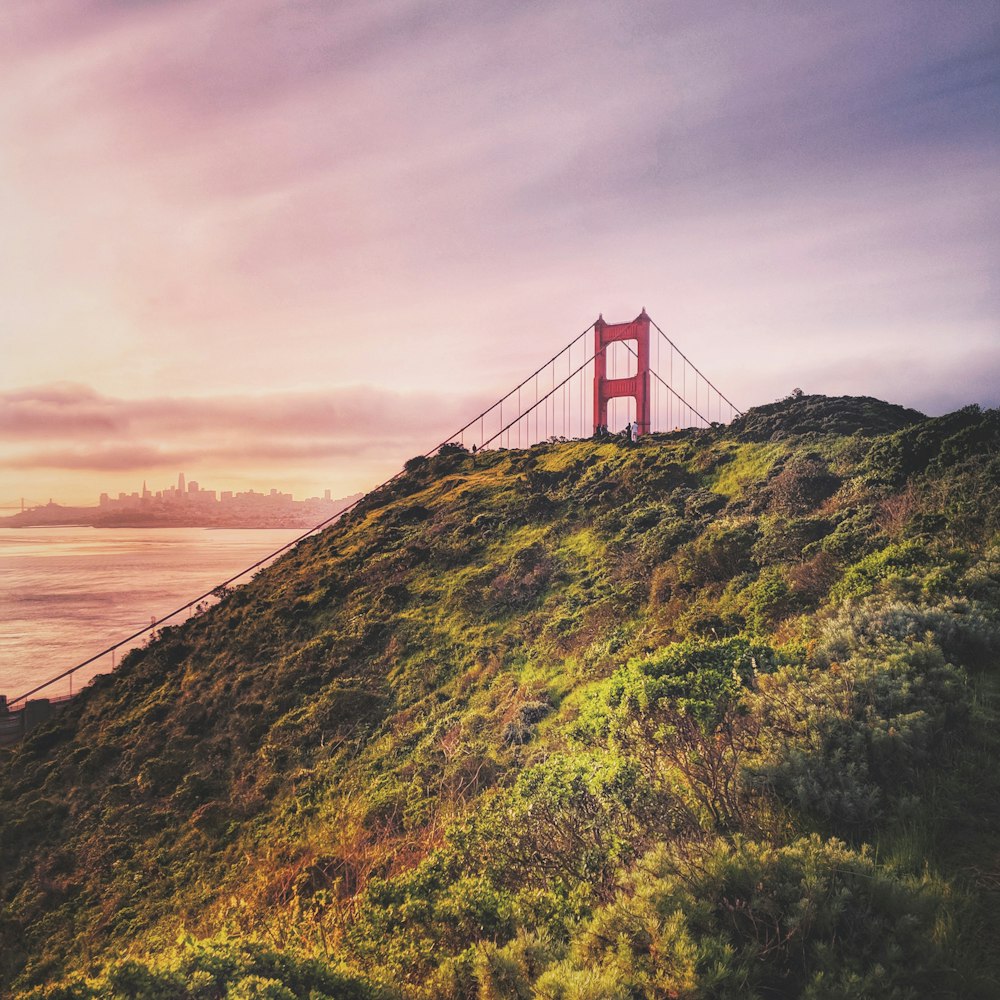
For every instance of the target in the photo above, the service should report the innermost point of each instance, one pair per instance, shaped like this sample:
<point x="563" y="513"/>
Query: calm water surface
<point x="67" y="593"/>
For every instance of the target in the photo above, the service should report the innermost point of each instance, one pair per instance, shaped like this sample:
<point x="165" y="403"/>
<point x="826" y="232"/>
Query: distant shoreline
<point x="56" y="516"/>
<point x="235" y="526"/>
<point x="156" y="527"/>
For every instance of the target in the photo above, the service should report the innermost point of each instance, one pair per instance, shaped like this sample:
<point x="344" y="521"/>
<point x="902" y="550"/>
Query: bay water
<point x="68" y="592"/>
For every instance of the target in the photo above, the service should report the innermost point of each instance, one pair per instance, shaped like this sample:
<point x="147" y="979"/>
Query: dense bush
<point x="967" y="631"/>
<point x="801" y="486"/>
<point x="840" y="743"/>
<point x="214" y="969"/>
<point x="813" y="919"/>
<point x="679" y="715"/>
<point x="940" y="443"/>
<point x="898" y="561"/>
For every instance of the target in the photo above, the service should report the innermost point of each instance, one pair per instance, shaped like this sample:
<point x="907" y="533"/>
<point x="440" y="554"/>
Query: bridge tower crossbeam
<point x="635" y="386"/>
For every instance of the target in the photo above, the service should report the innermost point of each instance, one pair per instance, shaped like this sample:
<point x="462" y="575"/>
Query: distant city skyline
<point x="185" y="488"/>
<point x="301" y="243"/>
<point x="182" y="485"/>
<point x="184" y="504"/>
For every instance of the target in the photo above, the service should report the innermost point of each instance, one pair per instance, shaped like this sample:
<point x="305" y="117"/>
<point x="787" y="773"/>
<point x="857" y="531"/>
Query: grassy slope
<point x="274" y="767"/>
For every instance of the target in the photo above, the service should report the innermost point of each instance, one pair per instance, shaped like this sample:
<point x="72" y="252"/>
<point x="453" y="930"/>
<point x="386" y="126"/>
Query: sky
<point x="279" y="243"/>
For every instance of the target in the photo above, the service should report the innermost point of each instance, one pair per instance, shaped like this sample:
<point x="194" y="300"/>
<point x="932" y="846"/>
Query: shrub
<point x="813" y="919"/>
<point x="784" y="539"/>
<point x="811" y="579"/>
<point x="716" y="556"/>
<point x="259" y="988"/>
<point x="942" y="441"/>
<point x="507" y="973"/>
<point x="569" y="982"/>
<point x="660" y="541"/>
<point x="700" y="677"/>
<point x="839" y="744"/>
<point x="801" y="486"/>
<point x="214" y="968"/>
<point x="679" y="715"/>
<point x="856" y="533"/>
<point x="967" y="632"/>
<point x="575" y="818"/>
<point x="768" y="600"/>
<point x="499" y="976"/>
<point x="411" y="923"/>
<point x="898" y="560"/>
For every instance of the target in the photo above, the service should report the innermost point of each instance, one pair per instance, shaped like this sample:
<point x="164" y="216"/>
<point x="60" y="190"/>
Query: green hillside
<point x="713" y="715"/>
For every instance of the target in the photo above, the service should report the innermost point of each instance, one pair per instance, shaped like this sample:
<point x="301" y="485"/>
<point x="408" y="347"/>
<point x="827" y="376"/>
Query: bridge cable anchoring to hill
<point x="606" y="384"/>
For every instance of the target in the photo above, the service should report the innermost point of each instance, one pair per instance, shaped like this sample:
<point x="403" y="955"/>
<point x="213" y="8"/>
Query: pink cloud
<point x="79" y="429"/>
<point x="82" y="412"/>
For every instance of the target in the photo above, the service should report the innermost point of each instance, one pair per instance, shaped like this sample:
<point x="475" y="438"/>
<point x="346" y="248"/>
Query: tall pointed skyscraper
<point x="180" y="484"/>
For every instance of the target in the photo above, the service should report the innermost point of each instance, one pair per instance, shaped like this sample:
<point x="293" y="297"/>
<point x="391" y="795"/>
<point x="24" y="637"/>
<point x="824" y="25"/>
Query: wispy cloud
<point x="79" y="412"/>
<point x="70" y="428"/>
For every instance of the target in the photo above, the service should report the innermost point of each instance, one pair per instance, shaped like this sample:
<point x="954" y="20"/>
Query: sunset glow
<point x="291" y="245"/>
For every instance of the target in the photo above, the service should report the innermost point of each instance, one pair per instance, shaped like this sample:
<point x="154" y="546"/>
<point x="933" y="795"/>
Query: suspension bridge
<point x="609" y="376"/>
<point x="20" y="504"/>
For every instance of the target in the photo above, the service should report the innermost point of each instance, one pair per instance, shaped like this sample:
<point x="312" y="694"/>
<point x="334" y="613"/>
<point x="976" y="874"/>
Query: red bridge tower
<point x="636" y="386"/>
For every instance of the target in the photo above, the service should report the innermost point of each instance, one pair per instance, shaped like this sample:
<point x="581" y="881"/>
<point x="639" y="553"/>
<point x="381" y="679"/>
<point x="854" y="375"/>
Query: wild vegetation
<point x="713" y="715"/>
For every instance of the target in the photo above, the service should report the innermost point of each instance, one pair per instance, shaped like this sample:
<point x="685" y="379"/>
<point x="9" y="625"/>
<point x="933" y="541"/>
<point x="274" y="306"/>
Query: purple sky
<point x="264" y="241"/>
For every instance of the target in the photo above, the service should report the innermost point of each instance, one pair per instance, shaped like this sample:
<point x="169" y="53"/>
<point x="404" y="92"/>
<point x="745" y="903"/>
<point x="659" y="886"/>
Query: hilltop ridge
<point x="582" y="720"/>
<point x="799" y="414"/>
